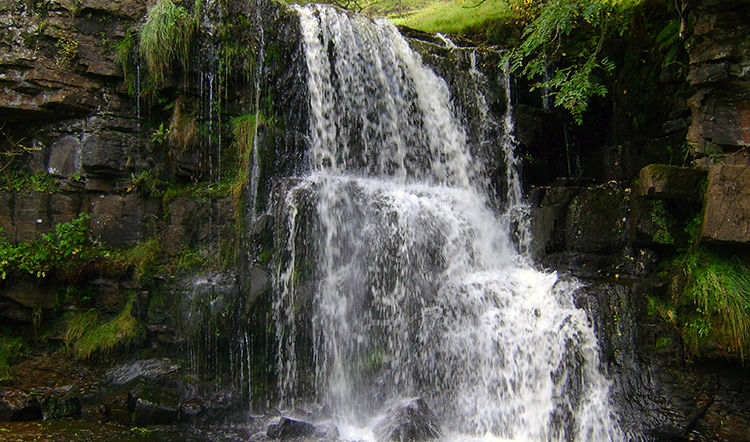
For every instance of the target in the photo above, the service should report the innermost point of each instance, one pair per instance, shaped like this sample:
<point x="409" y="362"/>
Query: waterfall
<point x="397" y="279"/>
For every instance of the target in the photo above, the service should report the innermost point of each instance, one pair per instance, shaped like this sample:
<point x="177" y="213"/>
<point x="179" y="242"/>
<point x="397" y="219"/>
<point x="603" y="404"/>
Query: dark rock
<point x="13" y="312"/>
<point x="104" y="153"/>
<point x="31" y="293"/>
<point x="661" y="181"/>
<point x="410" y="420"/>
<point x="597" y="220"/>
<point x="117" y="407"/>
<point x="63" y="207"/>
<point x="18" y="406"/>
<point x="290" y="429"/>
<point x="149" y="369"/>
<point x="727" y="214"/>
<point x="56" y="406"/>
<point x="121" y="221"/>
<point x="152" y="406"/>
<point x="31" y="215"/>
<point x="65" y="157"/>
<point x="260" y="282"/>
<point x="209" y="409"/>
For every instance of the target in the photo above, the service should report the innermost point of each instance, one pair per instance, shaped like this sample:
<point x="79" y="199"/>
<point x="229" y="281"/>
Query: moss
<point x="87" y="335"/>
<point x="143" y="258"/>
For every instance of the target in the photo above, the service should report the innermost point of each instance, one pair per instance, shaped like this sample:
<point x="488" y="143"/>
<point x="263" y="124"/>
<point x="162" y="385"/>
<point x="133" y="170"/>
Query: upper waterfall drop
<point x="397" y="279"/>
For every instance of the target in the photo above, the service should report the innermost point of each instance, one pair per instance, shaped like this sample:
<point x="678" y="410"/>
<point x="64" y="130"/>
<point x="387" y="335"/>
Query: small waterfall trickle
<point x="395" y="278"/>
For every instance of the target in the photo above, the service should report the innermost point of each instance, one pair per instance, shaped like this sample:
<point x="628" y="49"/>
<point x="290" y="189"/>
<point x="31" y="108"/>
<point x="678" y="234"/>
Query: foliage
<point x="25" y="182"/>
<point x="69" y="252"/>
<point x="165" y="39"/>
<point x="11" y="348"/>
<point x="662" y="223"/>
<point x="566" y="37"/>
<point x="88" y="335"/>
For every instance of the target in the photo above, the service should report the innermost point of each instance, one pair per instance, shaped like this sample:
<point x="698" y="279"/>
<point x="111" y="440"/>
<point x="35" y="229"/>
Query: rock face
<point x="720" y="75"/>
<point x="727" y="214"/>
<point x="411" y="420"/>
<point x="660" y="181"/>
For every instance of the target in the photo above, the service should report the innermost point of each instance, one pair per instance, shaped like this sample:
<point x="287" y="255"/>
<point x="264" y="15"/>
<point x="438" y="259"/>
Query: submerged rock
<point x="409" y="420"/>
<point x="290" y="429"/>
<point x="56" y="406"/>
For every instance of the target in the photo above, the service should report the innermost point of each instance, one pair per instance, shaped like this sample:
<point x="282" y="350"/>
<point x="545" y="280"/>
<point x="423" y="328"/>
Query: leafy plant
<point x="69" y="251"/>
<point x="67" y="51"/>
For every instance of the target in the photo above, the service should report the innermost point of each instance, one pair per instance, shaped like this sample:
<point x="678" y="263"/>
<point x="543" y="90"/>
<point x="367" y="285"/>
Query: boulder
<point x="727" y="215"/>
<point x="661" y="181"/>
<point x="149" y="369"/>
<point x="56" y="406"/>
<point x="290" y="429"/>
<point x="152" y="406"/>
<point x="410" y="420"/>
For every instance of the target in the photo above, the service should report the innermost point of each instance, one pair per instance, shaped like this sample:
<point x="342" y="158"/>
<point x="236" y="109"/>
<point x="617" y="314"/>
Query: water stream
<point x="398" y="277"/>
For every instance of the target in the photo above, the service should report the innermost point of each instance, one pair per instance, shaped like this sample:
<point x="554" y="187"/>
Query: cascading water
<point x="397" y="279"/>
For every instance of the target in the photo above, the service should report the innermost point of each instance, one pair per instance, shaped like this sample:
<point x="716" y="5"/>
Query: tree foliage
<point x="561" y="47"/>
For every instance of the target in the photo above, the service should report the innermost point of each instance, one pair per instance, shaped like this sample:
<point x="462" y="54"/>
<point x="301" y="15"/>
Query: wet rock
<point x="410" y="420"/>
<point x="152" y="406"/>
<point x="57" y="406"/>
<point x="121" y="221"/>
<point x="290" y="429"/>
<point x="655" y="223"/>
<point x="13" y="312"/>
<point x="31" y="215"/>
<point x="209" y="409"/>
<point x="149" y="369"/>
<point x="661" y="181"/>
<point x="327" y="431"/>
<point x="727" y="214"/>
<point x="31" y="293"/>
<point x="117" y="408"/>
<point x="65" y="157"/>
<point x="597" y="220"/>
<point x="16" y="406"/>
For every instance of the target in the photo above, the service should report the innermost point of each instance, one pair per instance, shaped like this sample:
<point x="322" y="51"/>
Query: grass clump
<point x="165" y="39"/>
<point x="10" y="350"/>
<point x="88" y="335"/>
<point x="144" y="258"/>
<point x="711" y="292"/>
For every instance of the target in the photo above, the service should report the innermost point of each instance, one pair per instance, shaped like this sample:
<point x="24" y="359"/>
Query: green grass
<point x="452" y="17"/>
<point x="165" y="39"/>
<point x="144" y="258"/>
<point x="87" y="335"/>
<point x="714" y="292"/>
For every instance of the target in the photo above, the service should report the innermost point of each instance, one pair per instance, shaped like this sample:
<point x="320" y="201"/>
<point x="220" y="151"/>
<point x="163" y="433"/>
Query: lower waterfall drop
<point x="396" y="279"/>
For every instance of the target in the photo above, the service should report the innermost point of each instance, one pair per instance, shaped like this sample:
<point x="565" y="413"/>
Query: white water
<point x="415" y="287"/>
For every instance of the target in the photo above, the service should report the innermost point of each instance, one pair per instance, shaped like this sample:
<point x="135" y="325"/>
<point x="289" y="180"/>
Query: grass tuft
<point x="87" y="335"/>
<point x="718" y="287"/>
<point x="165" y="39"/>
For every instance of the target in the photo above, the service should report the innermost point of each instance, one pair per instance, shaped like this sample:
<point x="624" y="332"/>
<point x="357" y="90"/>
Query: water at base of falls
<point x="398" y="280"/>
